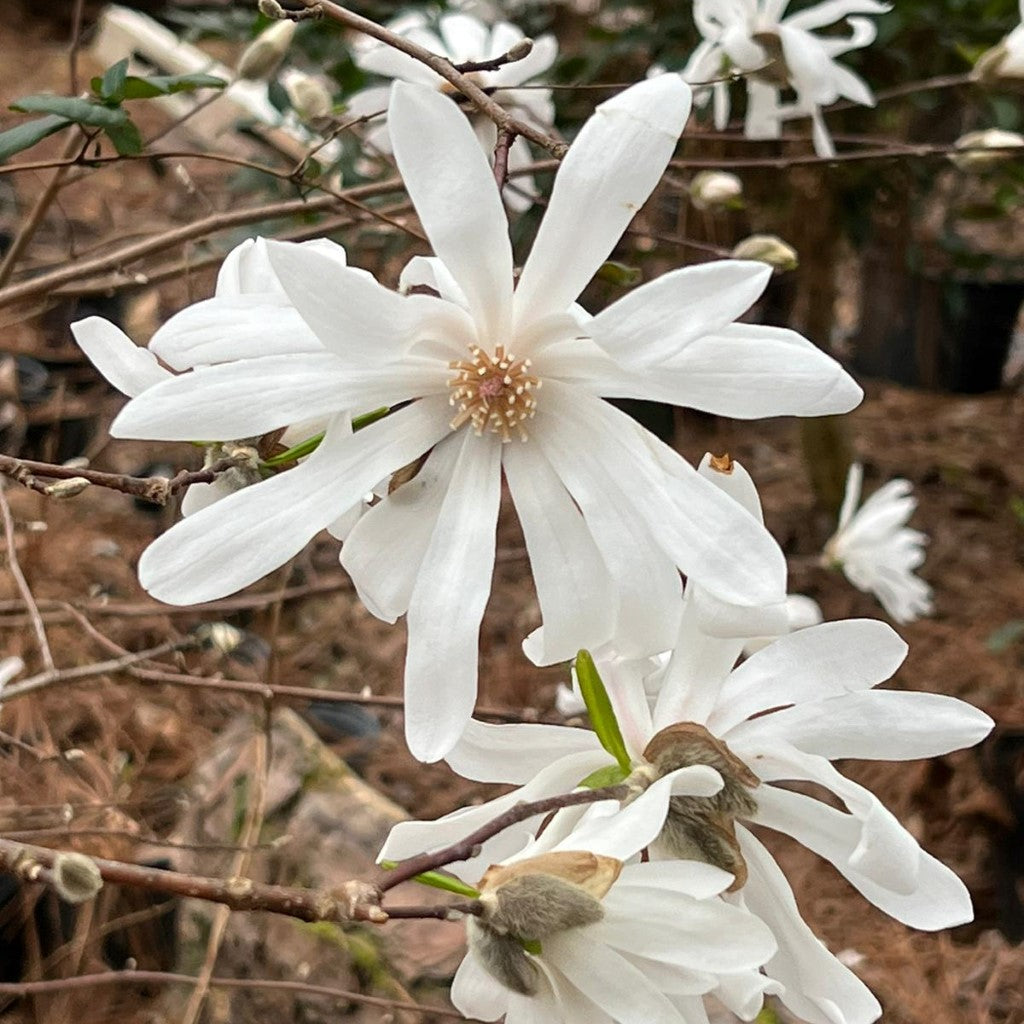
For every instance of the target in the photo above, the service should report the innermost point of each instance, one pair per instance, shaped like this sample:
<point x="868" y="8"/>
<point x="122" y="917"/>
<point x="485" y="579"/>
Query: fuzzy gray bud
<point x="76" y="878"/>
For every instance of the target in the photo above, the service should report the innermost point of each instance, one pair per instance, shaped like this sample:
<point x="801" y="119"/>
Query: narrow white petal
<point x="452" y="187"/>
<point x="475" y="993"/>
<point x="573" y="586"/>
<point x="515" y="753"/>
<point x="128" y="367"/>
<point x="609" y="172"/>
<point x="448" y="600"/>
<point x="385" y="549"/>
<point x="246" y="270"/>
<point x="234" y="542"/>
<point x="655" y="322"/>
<point x="253" y="396"/>
<point x="818" y="988"/>
<point x="354" y="316"/>
<point x="688" y="877"/>
<point x="820" y="661"/>
<point x="830" y="11"/>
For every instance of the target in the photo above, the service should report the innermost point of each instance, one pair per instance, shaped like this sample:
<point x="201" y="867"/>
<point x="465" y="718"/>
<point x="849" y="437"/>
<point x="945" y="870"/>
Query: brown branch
<point x="157" y="489"/>
<point x="22" y="583"/>
<point x="446" y="69"/>
<point x="468" y="847"/>
<point x="505" y="139"/>
<point x="23" y="989"/>
<point x="44" y="284"/>
<point x="520" y="51"/>
<point x="352" y="901"/>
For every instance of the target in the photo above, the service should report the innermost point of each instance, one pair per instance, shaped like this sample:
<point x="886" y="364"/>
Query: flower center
<point x="493" y="392"/>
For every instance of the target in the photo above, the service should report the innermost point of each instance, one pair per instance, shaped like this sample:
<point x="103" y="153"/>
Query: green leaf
<point x="304" y="448"/>
<point x="136" y="88"/>
<point x="599" y="707"/>
<point x="24" y="136"/>
<point x="609" y="775"/>
<point x="126" y="138"/>
<point x="112" y="83"/>
<point x="73" y="109"/>
<point x="620" y="274"/>
<point x="438" y="881"/>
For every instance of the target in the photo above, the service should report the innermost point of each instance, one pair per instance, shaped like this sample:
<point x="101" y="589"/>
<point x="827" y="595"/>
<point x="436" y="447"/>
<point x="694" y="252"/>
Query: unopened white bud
<point x="308" y="96"/>
<point x="262" y="57"/>
<point x="1004" y="60"/>
<point x="715" y="190"/>
<point x="271" y="9"/>
<point x="770" y="249"/>
<point x="984" y="149"/>
<point x="66" y="488"/>
<point x="221" y="636"/>
<point x="76" y="878"/>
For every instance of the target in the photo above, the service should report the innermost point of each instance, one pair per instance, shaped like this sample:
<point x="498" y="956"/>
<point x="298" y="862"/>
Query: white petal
<point x="573" y="586"/>
<point x="231" y="327"/>
<point x="931" y="898"/>
<point x="246" y="270"/>
<point x="705" y="532"/>
<point x="127" y="366"/>
<point x="830" y="11"/>
<point x="430" y="272"/>
<point x="515" y="753"/>
<point x="809" y="65"/>
<point x="199" y="496"/>
<point x="821" y="661"/>
<point x="233" y="543"/>
<point x="475" y="993"/>
<point x="656" y="321"/>
<point x="354" y="316"/>
<point x="448" y="601"/>
<point x="465" y="38"/>
<point x="884" y="725"/>
<point x="452" y="187"/>
<point x="385" y="549"/>
<point x="688" y="877"/>
<point x="607" y="978"/>
<point x="609" y="172"/>
<point x="818" y="988"/>
<point x="391" y="63"/>
<point x="253" y="396"/>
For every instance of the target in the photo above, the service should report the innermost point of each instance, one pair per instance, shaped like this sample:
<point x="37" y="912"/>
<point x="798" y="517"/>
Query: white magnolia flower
<point x="877" y="551"/>
<point x="463" y="38"/>
<point x="782" y="715"/>
<point x="1006" y="59"/>
<point x="247" y="283"/>
<point x="776" y="53"/>
<point x="611" y="941"/>
<point x="610" y="514"/>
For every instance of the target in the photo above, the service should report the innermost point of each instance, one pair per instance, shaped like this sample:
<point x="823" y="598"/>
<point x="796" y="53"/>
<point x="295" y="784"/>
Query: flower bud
<point x="1004" y="60"/>
<point x="985" y="149"/>
<point x="66" y="488"/>
<point x="76" y="878"/>
<point x="716" y="190"/>
<point x="520" y="50"/>
<point x="770" y="249"/>
<point x="308" y="96"/>
<point x="262" y="57"/>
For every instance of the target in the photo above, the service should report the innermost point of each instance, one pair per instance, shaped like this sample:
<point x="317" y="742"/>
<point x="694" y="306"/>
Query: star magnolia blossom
<point x="877" y="551"/>
<point x="247" y="282"/>
<point x="778" y="53"/>
<point x="782" y="715"/>
<point x="463" y="38"/>
<point x="640" y="948"/>
<point x="1006" y="60"/>
<point x="610" y="515"/>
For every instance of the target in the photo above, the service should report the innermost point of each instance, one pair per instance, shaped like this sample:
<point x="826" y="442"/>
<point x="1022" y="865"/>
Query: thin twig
<point x="468" y="847"/>
<point x="24" y="589"/>
<point x="501" y="150"/>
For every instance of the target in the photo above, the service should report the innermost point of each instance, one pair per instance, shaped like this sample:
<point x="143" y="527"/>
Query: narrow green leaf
<point x="609" y="775"/>
<point x="126" y="139"/>
<point x="136" y="88"/>
<point x="304" y="448"/>
<point x="112" y="83"/>
<point x="620" y="274"/>
<point x="80" y="111"/>
<point x="358" y="422"/>
<point x="24" y="136"/>
<point x="438" y="881"/>
<point x="599" y="707"/>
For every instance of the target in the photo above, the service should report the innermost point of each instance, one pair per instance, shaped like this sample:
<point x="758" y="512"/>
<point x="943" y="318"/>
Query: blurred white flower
<point x="775" y="53"/>
<point x="980" y="150"/>
<point x="310" y="98"/>
<point x="877" y="551"/>
<point x="711" y="190"/>
<point x="610" y="515"/>
<point x="463" y="38"/>
<point x="1005" y="59"/>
